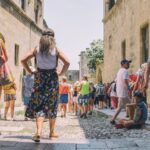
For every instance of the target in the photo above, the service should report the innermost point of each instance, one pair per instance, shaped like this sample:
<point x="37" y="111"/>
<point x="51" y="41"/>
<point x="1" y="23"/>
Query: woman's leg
<point x="12" y="106"/>
<point x="7" y="104"/>
<point x="65" y="109"/>
<point x="52" y="128"/>
<point x="61" y="109"/>
<point x="75" y="108"/>
<point x="39" y="125"/>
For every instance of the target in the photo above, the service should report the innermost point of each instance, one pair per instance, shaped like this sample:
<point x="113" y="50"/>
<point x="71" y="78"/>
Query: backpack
<point x="115" y="88"/>
<point x="100" y="90"/>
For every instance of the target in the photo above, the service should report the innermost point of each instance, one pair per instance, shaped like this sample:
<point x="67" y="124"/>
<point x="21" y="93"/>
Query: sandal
<point x="36" y="138"/>
<point x="54" y="135"/>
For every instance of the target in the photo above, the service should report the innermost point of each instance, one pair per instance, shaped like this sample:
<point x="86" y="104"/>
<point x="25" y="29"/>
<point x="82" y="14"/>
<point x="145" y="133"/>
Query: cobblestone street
<point x="74" y="134"/>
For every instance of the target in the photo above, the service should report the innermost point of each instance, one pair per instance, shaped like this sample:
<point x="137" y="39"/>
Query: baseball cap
<point x="125" y="61"/>
<point x="138" y="94"/>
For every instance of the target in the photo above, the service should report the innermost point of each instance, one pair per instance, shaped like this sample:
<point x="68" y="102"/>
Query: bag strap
<point x="57" y="56"/>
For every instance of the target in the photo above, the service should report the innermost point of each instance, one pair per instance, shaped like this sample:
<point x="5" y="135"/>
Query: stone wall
<point x="83" y="65"/>
<point x="30" y="6"/>
<point x="72" y="76"/>
<point x="17" y="29"/>
<point x="123" y="23"/>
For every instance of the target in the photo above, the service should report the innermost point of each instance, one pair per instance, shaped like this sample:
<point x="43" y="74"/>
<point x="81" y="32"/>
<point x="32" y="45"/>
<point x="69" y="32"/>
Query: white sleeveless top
<point x="48" y="61"/>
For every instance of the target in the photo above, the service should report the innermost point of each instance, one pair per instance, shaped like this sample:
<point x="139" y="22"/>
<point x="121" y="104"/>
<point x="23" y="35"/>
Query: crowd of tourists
<point x="126" y="92"/>
<point x="44" y="94"/>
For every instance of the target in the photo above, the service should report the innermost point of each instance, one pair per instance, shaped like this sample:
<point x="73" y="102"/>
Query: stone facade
<point x="72" y="76"/>
<point x="126" y="34"/>
<point x="21" y="31"/>
<point x="84" y="70"/>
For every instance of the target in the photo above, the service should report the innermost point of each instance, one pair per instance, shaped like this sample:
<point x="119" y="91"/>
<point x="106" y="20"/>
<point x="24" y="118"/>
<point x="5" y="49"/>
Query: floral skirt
<point x="44" y="97"/>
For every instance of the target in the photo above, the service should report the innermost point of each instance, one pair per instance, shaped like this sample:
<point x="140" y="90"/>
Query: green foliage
<point x="94" y="53"/>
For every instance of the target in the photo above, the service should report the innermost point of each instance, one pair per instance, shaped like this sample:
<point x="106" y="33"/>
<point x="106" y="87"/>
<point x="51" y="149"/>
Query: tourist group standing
<point x="43" y="93"/>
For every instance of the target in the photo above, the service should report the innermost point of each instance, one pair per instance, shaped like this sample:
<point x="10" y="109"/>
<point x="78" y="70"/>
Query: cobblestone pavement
<point x="94" y="133"/>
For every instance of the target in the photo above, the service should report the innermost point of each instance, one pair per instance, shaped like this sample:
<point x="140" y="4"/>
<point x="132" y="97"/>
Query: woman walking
<point x="44" y="98"/>
<point x="64" y="90"/>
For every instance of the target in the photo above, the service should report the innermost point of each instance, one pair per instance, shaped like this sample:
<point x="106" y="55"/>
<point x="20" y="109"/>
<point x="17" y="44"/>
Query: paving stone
<point x="134" y="148"/>
<point x="120" y="143"/>
<point x="143" y="143"/>
<point x="7" y="144"/>
<point x="92" y="145"/>
<point x="10" y="129"/>
<point x="94" y="133"/>
<point x="61" y="147"/>
<point x="94" y="149"/>
<point x="30" y="146"/>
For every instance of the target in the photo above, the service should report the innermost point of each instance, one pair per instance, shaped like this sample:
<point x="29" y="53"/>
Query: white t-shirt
<point x="122" y="89"/>
<point x="113" y="92"/>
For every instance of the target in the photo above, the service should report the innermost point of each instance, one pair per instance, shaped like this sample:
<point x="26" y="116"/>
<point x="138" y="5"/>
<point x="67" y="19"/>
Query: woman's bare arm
<point x="25" y="60"/>
<point x="2" y="45"/>
<point x="65" y="61"/>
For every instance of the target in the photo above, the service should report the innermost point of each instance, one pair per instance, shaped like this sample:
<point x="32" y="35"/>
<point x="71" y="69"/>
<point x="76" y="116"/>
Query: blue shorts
<point x="26" y="100"/>
<point x="64" y="98"/>
<point x="83" y="100"/>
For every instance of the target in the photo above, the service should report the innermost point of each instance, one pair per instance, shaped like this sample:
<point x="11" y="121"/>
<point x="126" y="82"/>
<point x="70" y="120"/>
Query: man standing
<point x="122" y="87"/>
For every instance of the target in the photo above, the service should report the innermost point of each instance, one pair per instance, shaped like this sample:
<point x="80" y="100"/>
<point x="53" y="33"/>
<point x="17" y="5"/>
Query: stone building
<point x="126" y="34"/>
<point x="83" y="68"/>
<point x="21" y="23"/>
<point x="72" y="76"/>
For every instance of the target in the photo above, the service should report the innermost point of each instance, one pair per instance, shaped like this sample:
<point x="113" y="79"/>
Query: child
<point x="28" y="81"/>
<point x="140" y="114"/>
<point x="9" y="99"/>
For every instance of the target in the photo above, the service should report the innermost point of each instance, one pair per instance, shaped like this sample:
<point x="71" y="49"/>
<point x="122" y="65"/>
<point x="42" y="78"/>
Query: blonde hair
<point x="47" y="43"/>
<point x="2" y="37"/>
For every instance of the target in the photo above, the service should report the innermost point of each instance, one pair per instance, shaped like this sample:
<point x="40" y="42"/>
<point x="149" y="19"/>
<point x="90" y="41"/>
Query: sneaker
<point x="90" y="113"/>
<point x="5" y="118"/>
<point x="85" y="116"/>
<point x="25" y="119"/>
<point x="82" y="115"/>
<point x="113" y="122"/>
<point x="12" y="119"/>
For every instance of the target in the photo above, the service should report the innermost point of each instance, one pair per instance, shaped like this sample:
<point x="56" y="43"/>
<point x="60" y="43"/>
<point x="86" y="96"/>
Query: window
<point x="23" y="4"/>
<point x="123" y="49"/>
<point x="110" y="42"/>
<point x="16" y="55"/>
<point x="111" y="4"/>
<point x="145" y="43"/>
<point x="37" y="14"/>
<point x="70" y="77"/>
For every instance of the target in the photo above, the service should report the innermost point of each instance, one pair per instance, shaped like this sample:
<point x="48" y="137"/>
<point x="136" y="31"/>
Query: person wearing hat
<point x="122" y="88"/>
<point x="44" y="98"/>
<point x="140" y="113"/>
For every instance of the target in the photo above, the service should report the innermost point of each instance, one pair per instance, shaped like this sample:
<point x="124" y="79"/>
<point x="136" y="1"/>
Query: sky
<point x="76" y="24"/>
